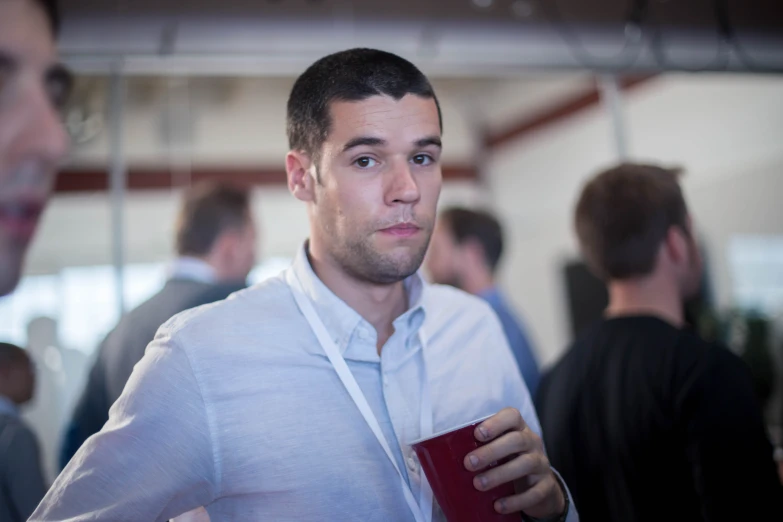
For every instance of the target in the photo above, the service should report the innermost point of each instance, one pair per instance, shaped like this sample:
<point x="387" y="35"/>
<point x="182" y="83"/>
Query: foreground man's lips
<point x="402" y="230"/>
<point x="20" y="218"/>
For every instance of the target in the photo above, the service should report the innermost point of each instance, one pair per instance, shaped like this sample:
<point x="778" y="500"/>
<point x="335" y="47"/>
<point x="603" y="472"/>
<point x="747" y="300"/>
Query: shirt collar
<point x="340" y="320"/>
<point x="7" y="407"/>
<point x="192" y="269"/>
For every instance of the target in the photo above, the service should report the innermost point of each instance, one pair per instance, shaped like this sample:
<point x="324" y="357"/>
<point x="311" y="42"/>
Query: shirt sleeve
<point x="89" y="415"/>
<point x="518" y="395"/>
<point x="153" y="460"/>
<point x="25" y="481"/>
<point x="731" y="457"/>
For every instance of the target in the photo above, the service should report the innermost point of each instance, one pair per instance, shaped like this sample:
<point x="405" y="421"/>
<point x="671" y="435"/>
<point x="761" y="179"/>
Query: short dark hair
<point x="209" y="210"/>
<point x="478" y="225"/>
<point x="52" y="11"/>
<point x="12" y="355"/>
<point x="623" y="216"/>
<point x="352" y="75"/>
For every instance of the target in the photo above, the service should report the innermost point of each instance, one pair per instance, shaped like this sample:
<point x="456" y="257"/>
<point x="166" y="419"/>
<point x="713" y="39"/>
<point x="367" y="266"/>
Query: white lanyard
<point x="423" y="510"/>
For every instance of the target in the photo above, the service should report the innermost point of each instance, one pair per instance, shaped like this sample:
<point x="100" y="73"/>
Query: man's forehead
<point x="25" y="34"/>
<point x="384" y="113"/>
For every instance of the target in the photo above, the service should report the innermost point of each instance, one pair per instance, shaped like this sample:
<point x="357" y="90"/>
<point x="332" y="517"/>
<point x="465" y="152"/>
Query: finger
<point x="512" y="443"/>
<point x="525" y="465"/>
<point x="531" y="501"/>
<point x="505" y="420"/>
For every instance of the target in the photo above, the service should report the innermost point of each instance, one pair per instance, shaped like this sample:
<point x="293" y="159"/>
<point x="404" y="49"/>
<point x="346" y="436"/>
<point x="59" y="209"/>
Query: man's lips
<point x="402" y="230"/>
<point x="19" y="219"/>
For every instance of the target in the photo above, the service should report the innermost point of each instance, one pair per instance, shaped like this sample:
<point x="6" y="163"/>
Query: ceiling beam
<point x="556" y="113"/>
<point x="97" y="180"/>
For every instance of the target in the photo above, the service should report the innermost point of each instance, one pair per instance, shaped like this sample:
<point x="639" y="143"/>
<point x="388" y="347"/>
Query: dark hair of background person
<point x="624" y="214"/>
<point x="52" y="11"/>
<point x="11" y="354"/>
<point x="209" y="210"/>
<point x="479" y="226"/>
<point x="352" y="75"/>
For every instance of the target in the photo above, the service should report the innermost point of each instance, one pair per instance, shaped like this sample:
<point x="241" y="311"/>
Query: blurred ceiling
<point x="764" y="15"/>
<point x="451" y="38"/>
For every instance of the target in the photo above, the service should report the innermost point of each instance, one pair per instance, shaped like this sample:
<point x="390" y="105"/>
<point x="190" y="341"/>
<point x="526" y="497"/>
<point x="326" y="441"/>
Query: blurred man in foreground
<point x="298" y="398"/>
<point x="22" y="485"/>
<point x="645" y="420"/>
<point x="216" y="242"/>
<point x="33" y="85"/>
<point x="465" y="250"/>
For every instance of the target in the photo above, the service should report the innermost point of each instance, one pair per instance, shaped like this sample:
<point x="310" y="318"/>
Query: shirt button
<point x="412" y="466"/>
<point x="386" y="381"/>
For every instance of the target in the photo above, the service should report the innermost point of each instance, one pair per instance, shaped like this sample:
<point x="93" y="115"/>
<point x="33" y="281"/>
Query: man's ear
<point x="677" y="245"/>
<point x="300" y="182"/>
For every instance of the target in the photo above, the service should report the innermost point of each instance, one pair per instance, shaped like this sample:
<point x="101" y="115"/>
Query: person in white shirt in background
<point x="298" y="398"/>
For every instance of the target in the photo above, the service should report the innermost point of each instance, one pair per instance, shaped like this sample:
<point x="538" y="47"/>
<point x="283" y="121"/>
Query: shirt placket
<point x="404" y="416"/>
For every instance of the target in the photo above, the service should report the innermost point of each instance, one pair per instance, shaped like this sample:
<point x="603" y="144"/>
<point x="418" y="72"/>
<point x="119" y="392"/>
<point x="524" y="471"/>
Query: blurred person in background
<point x="216" y="243"/>
<point x="259" y="407"/>
<point x="644" y="419"/>
<point x="33" y="142"/>
<point x="22" y="484"/>
<point x="464" y="252"/>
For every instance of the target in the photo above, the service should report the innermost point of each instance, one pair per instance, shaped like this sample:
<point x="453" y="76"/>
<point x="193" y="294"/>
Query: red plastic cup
<point x="442" y="458"/>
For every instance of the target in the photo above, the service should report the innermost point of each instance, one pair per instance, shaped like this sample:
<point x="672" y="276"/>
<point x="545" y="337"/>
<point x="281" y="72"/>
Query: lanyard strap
<point x="422" y="512"/>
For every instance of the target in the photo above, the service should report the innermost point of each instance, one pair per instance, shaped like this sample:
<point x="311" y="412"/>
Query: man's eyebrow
<point x="430" y="141"/>
<point x="363" y="140"/>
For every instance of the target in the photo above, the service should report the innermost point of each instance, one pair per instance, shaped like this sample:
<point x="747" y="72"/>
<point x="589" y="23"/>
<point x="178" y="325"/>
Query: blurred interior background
<point x="536" y="94"/>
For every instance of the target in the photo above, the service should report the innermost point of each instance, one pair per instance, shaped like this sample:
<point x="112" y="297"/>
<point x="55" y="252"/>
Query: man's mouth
<point x="402" y="230"/>
<point x="19" y="219"/>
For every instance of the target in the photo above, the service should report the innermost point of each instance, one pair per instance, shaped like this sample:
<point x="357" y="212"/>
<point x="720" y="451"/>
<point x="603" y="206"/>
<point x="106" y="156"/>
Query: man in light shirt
<point x="298" y="399"/>
<point x="215" y="242"/>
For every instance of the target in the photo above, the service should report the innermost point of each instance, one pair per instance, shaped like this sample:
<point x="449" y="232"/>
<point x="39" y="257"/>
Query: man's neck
<point x="646" y="296"/>
<point x="477" y="281"/>
<point x="379" y="304"/>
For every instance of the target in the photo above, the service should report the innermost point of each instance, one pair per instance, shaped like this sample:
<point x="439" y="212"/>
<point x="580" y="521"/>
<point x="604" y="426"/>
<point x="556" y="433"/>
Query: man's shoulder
<point x="259" y="305"/>
<point x="446" y="303"/>
<point x="16" y="436"/>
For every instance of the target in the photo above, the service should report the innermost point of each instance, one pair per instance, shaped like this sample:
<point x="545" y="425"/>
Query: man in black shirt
<point x="644" y="420"/>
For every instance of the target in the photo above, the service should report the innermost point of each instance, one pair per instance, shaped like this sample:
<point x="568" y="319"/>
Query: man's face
<point x="373" y="208"/>
<point x="32" y="139"/>
<point x="442" y="256"/>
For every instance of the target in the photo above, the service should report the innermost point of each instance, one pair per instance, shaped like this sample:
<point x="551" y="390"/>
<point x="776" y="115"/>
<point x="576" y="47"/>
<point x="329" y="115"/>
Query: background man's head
<point x="216" y="224"/>
<point x="364" y="128"/>
<point x="632" y="223"/>
<point x="17" y="374"/>
<point x="32" y="139"/>
<point x="467" y="244"/>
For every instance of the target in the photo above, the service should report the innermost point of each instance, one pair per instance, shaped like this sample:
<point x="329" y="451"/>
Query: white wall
<point x="725" y="130"/>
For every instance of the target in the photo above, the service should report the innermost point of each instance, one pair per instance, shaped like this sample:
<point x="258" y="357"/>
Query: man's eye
<point x="58" y="92"/>
<point x="423" y="159"/>
<point x="59" y="85"/>
<point x="365" y="162"/>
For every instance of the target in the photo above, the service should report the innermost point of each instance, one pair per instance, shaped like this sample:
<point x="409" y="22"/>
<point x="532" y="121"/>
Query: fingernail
<point x="484" y="432"/>
<point x="483" y="481"/>
<point x="474" y="461"/>
<point x="500" y="506"/>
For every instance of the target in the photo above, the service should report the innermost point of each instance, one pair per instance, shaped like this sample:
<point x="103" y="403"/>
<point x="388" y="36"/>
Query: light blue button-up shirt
<point x="236" y="407"/>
